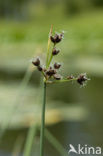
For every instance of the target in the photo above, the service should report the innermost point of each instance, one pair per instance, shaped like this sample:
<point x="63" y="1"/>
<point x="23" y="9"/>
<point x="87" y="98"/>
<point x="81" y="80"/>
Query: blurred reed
<point x="55" y="143"/>
<point x="29" y="140"/>
<point x="14" y="107"/>
<point x="18" y="146"/>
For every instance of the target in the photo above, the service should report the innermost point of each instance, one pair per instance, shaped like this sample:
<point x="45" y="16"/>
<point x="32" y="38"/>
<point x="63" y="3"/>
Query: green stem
<point x="50" y="60"/>
<point x="65" y="80"/>
<point x="48" y="47"/>
<point x="43" y="122"/>
<point x="51" y="57"/>
<point x="60" y="81"/>
<point x="44" y="74"/>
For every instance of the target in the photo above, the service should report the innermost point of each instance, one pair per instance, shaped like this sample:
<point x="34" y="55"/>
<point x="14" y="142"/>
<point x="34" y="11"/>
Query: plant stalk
<point x="51" y="57"/>
<point x="61" y="81"/>
<point x="48" y="47"/>
<point x="43" y="122"/>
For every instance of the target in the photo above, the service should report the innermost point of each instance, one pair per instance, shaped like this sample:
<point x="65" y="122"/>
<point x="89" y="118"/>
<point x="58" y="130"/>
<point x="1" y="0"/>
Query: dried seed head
<point x="70" y="77"/>
<point x="55" y="51"/>
<point x="44" y="69"/>
<point x="57" y="76"/>
<point x="57" y="65"/>
<point x="82" y="78"/>
<point x="56" y="38"/>
<point x="36" y="62"/>
<point x="51" y="72"/>
<point x="40" y="68"/>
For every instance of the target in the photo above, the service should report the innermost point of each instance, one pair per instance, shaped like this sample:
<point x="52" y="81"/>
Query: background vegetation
<point x="74" y="113"/>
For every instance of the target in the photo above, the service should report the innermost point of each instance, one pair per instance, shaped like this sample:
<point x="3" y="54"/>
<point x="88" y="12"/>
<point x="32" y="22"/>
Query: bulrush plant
<point x="51" y="75"/>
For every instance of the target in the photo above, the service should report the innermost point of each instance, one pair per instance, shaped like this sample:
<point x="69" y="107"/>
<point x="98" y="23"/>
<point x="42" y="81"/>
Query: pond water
<point x="87" y="132"/>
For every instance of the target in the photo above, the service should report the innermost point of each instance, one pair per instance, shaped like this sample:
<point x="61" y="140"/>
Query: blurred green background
<point x="74" y="115"/>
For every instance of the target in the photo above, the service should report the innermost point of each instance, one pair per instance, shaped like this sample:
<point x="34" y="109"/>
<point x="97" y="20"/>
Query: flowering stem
<point x="44" y="75"/>
<point x="60" y="81"/>
<point x="51" y="57"/>
<point x="43" y="122"/>
<point x="48" y="47"/>
<point x="65" y="80"/>
<point x="50" y="60"/>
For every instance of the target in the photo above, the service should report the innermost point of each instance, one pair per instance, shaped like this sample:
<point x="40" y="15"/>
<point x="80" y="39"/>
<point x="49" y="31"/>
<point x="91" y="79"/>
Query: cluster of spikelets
<point x="49" y="72"/>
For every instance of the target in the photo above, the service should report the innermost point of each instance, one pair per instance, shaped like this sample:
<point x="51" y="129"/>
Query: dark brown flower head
<point x="55" y="51"/>
<point x="36" y="62"/>
<point x="51" y="72"/>
<point x="40" y="68"/>
<point x="82" y="78"/>
<point x="56" y="38"/>
<point x="57" y="76"/>
<point x="50" y="68"/>
<point x="70" y="77"/>
<point x="57" y="65"/>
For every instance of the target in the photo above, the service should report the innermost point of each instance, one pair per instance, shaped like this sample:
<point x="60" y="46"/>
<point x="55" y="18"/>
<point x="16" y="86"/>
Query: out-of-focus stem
<point x="55" y="143"/>
<point x="30" y="137"/>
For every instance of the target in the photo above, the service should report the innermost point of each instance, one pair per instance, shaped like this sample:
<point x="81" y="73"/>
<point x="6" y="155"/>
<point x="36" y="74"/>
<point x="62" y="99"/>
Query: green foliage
<point x="97" y="3"/>
<point x="21" y="9"/>
<point x="12" y="8"/>
<point x="78" y="6"/>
